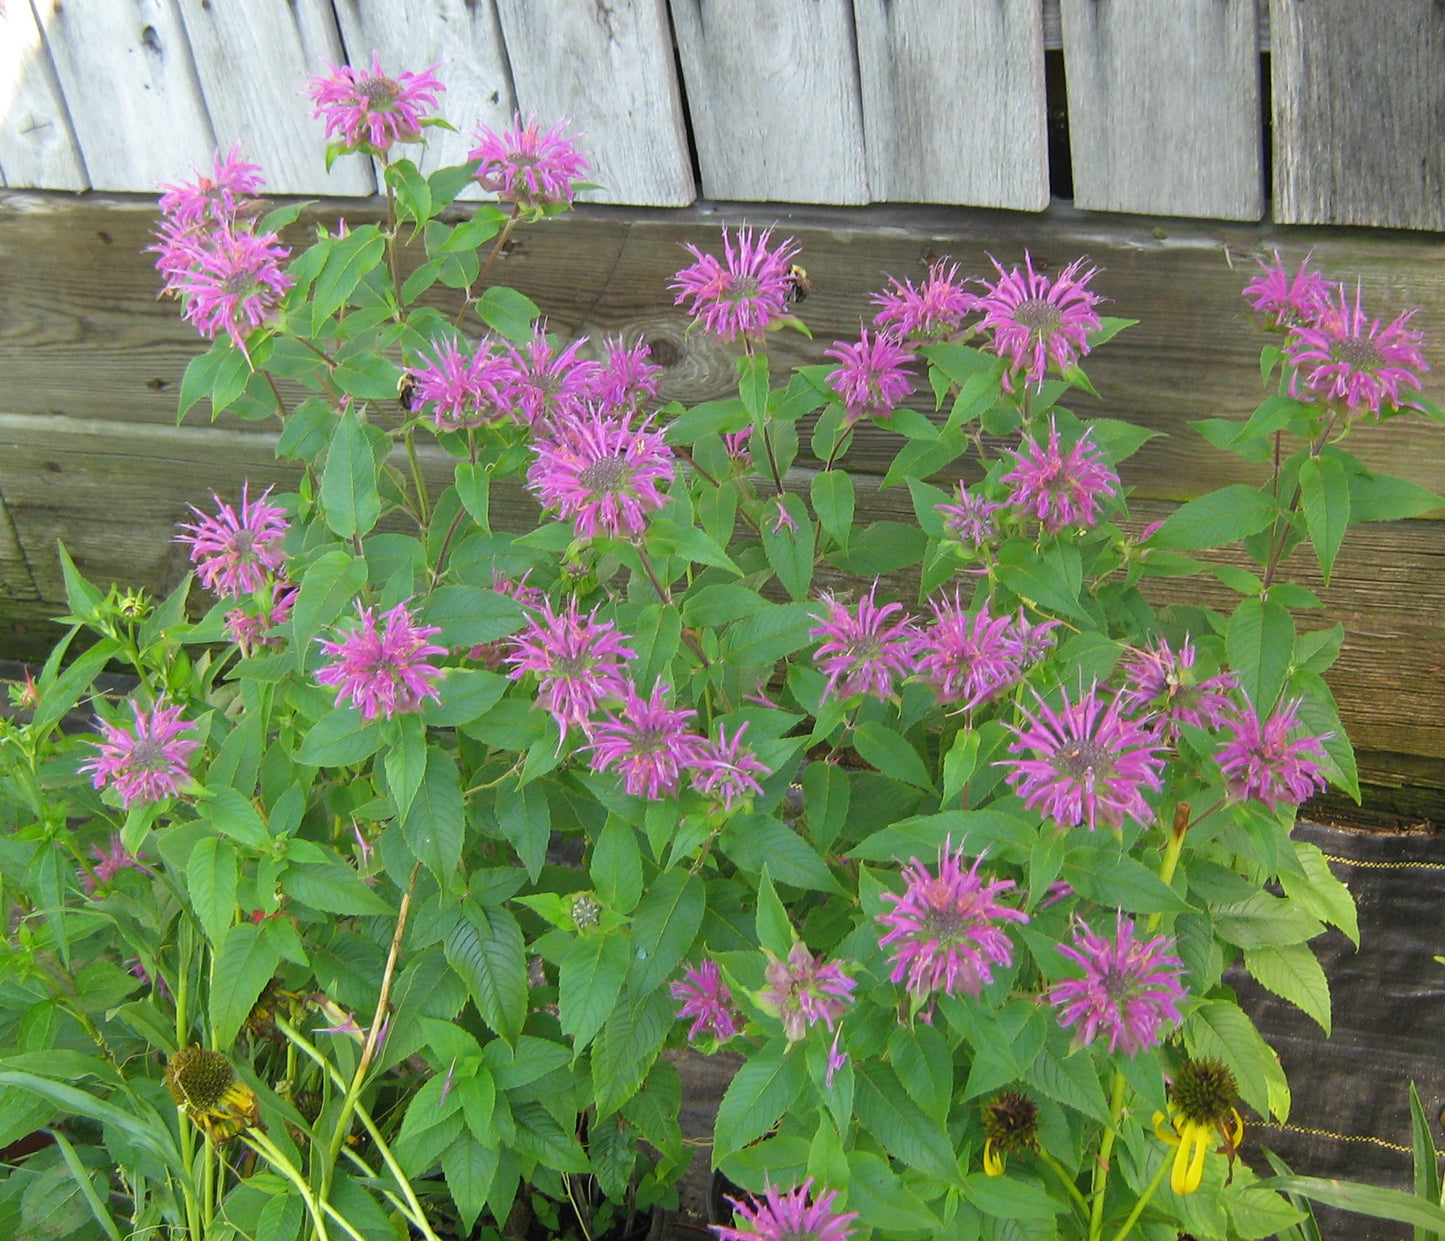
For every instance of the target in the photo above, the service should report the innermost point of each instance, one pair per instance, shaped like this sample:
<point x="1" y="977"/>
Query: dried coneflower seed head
<point x="199" y="1079"/>
<point x="1205" y="1092"/>
<point x="1011" y="1122"/>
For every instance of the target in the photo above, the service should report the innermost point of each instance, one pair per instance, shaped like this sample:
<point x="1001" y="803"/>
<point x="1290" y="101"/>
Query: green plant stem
<point x="423" y="507"/>
<point x="1172" y="849"/>
<point x="1106" y="1152"/>
<point x="269" y="1151"/>
<point x="1143" y="1201"/>
<point x="1065" y="1180"/>
<point x="209" y="1155"/>
<point x="392" y="228"/>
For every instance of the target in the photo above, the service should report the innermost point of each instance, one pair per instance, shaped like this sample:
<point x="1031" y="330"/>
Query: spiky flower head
<point x="932" y="312"/>
<point x="1060" y="489"/>
<point x="234" y="551"/>
<point x="601" y="473"/>
<point x="1204" y="1091"/>
<point x="947" y="930"/>
<point x="792" y="1216"/>
<point x="214" y="199"/>
<point x="1161" y="689"/>
<point x="648" y="741"/>
<point x="626" y="380"/>
<point x="229" y="281"/>
<point x="966" y="659"/>
<point x="1010" y="1125"/>
<point x="1129" y="991"/>
<point x="706" y="999"/>
<point x="250" y="630"/>
<point x="204" y="1084"/>
<point x="551" y="385"/>
<point x="110" y="860"/>
<point x="1350" y="360"/>
<point x="804" y="990"/>
<point x="744" y="293"/>
<point x="1202" y="1100"/>
<point x="972" y="520"/>
<point x="146" y="762"/>
<point x="727" y="771"/>
<point x="1283" y="300"/>
<point x="465" y="390"/>
<point x="383" y="671"/>
<point x="872" y="378"/>
<point x="529" y="165"/>
<point x="1260" y="762"/>
<point x="578" y="662"/>
<point x="860" y="651"/>
<point x="1037" y="321"/>
<point x="369" y="108"/>
<point x="1088" y="764"/>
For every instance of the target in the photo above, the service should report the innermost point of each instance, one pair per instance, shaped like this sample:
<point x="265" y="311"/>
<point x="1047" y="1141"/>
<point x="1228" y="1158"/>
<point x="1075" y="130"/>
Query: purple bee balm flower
<point x="649" y="743"/>
<point x="1160" y="687"/>
<point x="249" y="631"/>
<point x="706" y="999"/>
<point x="147" y="762"/>
<point x="836" y="1059"/>
<point x="529" y="165"/>
<point x="216" y="199"/>
<point x="110" y="860"/>
<point x="1285" y="300"/>
<point x="368" y="107"/>
<point x="945" y="930"/>
<point x="383" y="672"/>
<point x="1089" y="765"/>
<point x="468" y="391"/>
<point x="966" y="659"/>
<point x="971" y="521"/>
<point x="1036" y="321"/>
<point x="233" y="552"/>
<point x="743" y="295"/>
<point x="791" y="1216"/>
<point x="803" y="991"/>
<point x="548" y="385"/>
<point x="627" y="380"/>
<point x="1061" y="490"/>
<point x="782" y="519"/>
<point x="736" y="445"/>
<point x="1129" y="990"/>
<point x="578" y="663"/>
<point x="933" y="312"/>
<point x="1029" y="642"/>
<point x="727" y="771"/>
<point x="229" y="281"/>
<point x="528" y="596"/>
<point x="601" y="473"/>
<point x="1259" y="762"/>
<point x="1355" y="362"/>
<point x="859" y="651"/>
<point x="872" y="378"/>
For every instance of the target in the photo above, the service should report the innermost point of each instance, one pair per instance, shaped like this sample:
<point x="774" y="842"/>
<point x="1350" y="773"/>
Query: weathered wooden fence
<point x="801" y="101"/>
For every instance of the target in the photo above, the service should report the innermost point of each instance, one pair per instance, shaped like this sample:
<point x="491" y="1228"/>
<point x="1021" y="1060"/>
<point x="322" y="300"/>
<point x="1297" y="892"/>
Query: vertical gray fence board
<point x="773" y="92"/>
<point x="463" y="40"/>
<point x="609" y="67"/>
<point x="252" y="58"/>
<point x="1359" y="112"/>
<point x="37" y="146"/>
<point x="1164" y="111"/>
<point x="953" y="102"/>
<point x="130" y="86"/>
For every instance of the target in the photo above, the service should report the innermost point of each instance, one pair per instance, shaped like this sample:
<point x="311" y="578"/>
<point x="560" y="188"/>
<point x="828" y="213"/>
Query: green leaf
<point x="347" y="261"/>
<point x="485" y="949"/>
<point x="242" y="967"/>
<point x="790" y="552"/>
<point x="141" y="1125"/>
<point x="1259" y="644"/>
<point x="1256" y="1213"/>
<point x="762" y="1090"/>
<point x="367" y="377"/>
<point x="1221" y="1029"/>
<point x="349" y="492"/>
<point x="880" y="547"/>
<point x="413" y="191"/>
<point x="1221" y="517"/>
<point x="1264" y="921"/>
<point x="469" y="615"/>
<point x="211" y="885"/>
<point x="233" y="814"/>
<point x="508" y="313"/>
<point x="1318" y="892"/>
<point x="1051" y="581"/>
<point x="628" y="1045"/>
<point x="710" y="418"/>
<point x="663" y="929"/>
<point x="616" y="866"/>
<point x="1390" y="1204"/>
<point x="1118" y="881"/>
<point x="1382" y="497"/>
<point x="1002" y="1197"/>
<point x="891" y="754"/>
<point x="833" y="501"/>
<point x="589" y="980"/>
<point x="774" y="927"/>
<point x="826" y="798"/>
<point x="757" y="840"/>
<point x="327" y="587"/>
<point x="772" y="632"/>
<point x="339" y="739"/>
<point x="1072" y="1081"/>
<point x="1011" y="837"/>
<point x="525" y="817"/>
<point x="405" y="764"/>
<point x="333" y="887"/>
<point x="474" y="484"/>
<point x="1292" y="973"/>
<point x="1325" y="497"/>
<point x="1426" y="1161"/>
<point x="676" y="538"/>
<point x="887" y="1113"/>
<point x="469" y="1168"/>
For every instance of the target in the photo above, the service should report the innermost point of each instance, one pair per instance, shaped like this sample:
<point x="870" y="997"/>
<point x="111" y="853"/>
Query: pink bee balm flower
<point x="548" y="385"/>
<point x="233" y="552"/>
<point x="933" y="312"/>
<point x="1061" y="490"/>
<point x="706" y="999"/>
<point x="1285" y="300"/>
<point x="370" y="108"/>
<point x="528" y="165"/>
<point x="216" y="199"/>
<point x="1037" y="321"/>
<point x="627" y="380"/>
<point x="533" y="597"/>
<point x="1260" y="762"/>
<point x="837" y="1059"/>
<point x="971" y="521"/>
<point x="782" y="519"/>
<point x="649" y="743"/>
<point x="383" y="672"/>
<point x="1348" y="359"/>
<point x="791" y="1216"/>
<point x="859" y="651"/>
<point x="1129" y="991"/>
<point x="467" y="391"/>
<point x="1030" y="641"/>
<point x="743" y="295"/>
<point x="946" y="929"/>
<point x="110" y="860"/>
<point x="872" y="378"/>
<point x="229" y="281"/>
<point x="1160" y="686"/>
<point x="966" y="659"/>
<point x="250" y="631"/>
<point x="601" y="473"/>
<point x="145" y="763"/>
<point x="578" y="663"/>
<point x="1089" y="763"/>
<point x="803" y="991"/>
<point x="727" y="771"/>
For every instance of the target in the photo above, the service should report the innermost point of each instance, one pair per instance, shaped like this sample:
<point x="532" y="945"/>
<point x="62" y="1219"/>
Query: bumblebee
<point x="406" y="391"/>
<point x="799" y="286"/>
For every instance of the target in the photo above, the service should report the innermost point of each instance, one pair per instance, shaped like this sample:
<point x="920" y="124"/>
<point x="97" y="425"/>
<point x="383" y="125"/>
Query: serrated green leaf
<point x="508" y="313"/>
<point x="1221" y="1029"/>
<point x="1259" y="644"/>
<point x="833" y="502"/>
<point x="333" y="887"/>
<point x="790" y="552"/>
<point x="1220" y="518"/>
<point x="327" y="587"/>
<point x="211" y="885"/>
<point x="1118" y="881"/>
<point x="349" y="492"/>
<point x="664" y="928"/>
<point x="233" y="814"/>
<point x="887" y="1113"/>
<point x="242" y="967"/>
<point x="627" y="1046"/>
<point x="761" y="1091"/>
<point x="339" y="739"/>
<point x="589" y="980"/>
<point x="1318" y="891"/>
<point x="1262" y="920"/>
<point x="347" y="261"/>
<point x="774" y="927"/>
<point x="1325" y="498"/>
<point x="1292" y="973"/>
<point x="486" y="950"/>
<point x="891" y="754"/>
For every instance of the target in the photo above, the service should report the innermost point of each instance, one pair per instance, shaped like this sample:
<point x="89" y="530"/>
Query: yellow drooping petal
<point x="992" y="1160"/>
<point x="1188" y="1171"/>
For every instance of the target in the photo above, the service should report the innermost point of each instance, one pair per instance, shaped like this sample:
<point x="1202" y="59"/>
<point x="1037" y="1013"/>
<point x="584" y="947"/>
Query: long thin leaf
<point x="87" y="1189"/>
<point x="1427" y="1163"/>
<point x="153" y="1137"/>
<point x="1391" y="1204"/>
<point x="1308" y="1229"/>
